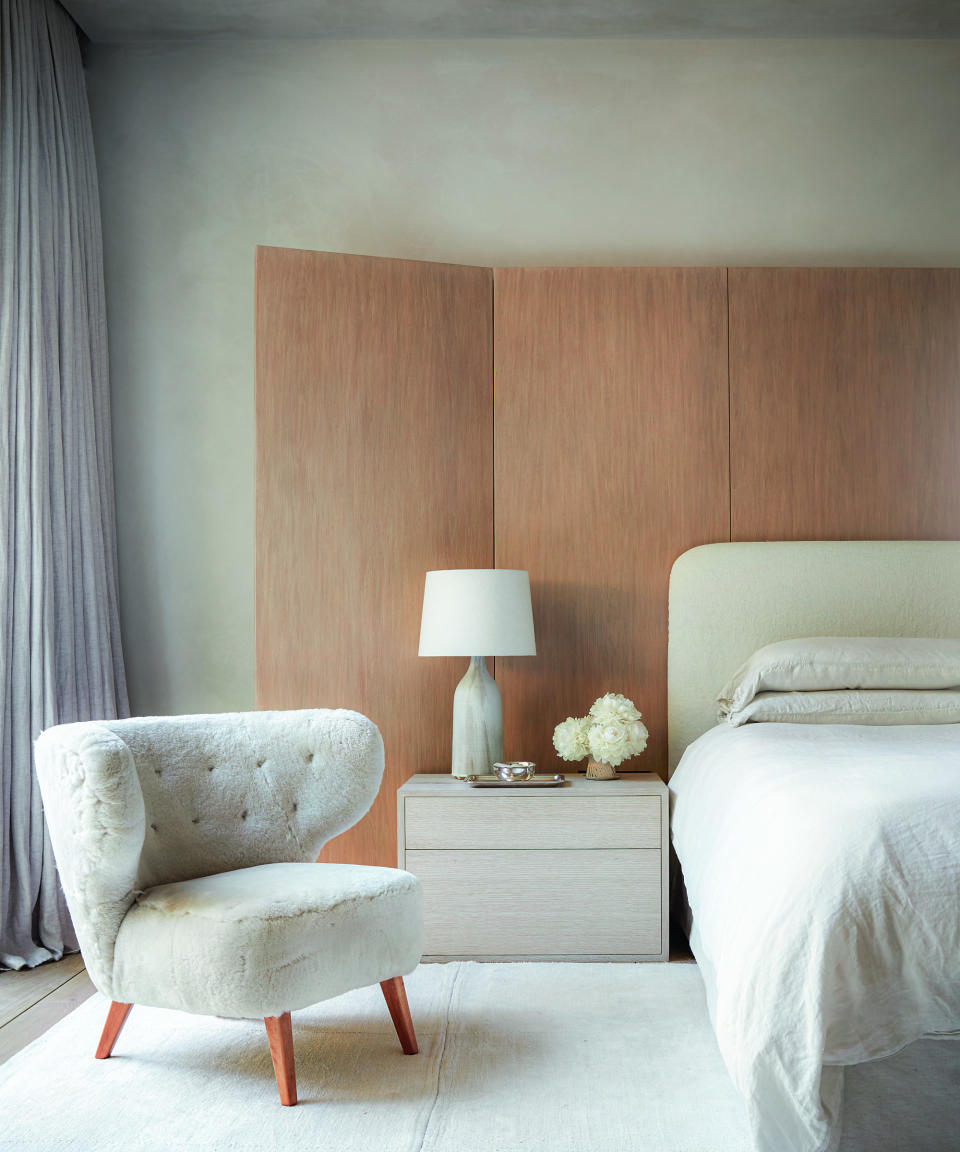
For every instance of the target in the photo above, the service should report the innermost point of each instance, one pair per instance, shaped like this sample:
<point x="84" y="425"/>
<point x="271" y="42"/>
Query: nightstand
<point x="577" y="872"/>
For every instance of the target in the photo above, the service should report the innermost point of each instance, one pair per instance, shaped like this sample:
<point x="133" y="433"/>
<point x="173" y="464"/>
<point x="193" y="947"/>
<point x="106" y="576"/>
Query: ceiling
<point x="126" y="20"/>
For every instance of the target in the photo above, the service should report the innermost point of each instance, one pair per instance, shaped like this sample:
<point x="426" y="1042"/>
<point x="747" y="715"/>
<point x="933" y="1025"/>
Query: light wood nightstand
<point x="577" y="872"/>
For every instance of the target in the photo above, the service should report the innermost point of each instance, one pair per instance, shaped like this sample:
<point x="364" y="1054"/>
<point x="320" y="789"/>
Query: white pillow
<point x="852" y="706"/>
<point x="831" y="663"/>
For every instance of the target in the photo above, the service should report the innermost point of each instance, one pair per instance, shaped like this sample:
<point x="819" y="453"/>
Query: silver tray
<point x="533" y="782"/>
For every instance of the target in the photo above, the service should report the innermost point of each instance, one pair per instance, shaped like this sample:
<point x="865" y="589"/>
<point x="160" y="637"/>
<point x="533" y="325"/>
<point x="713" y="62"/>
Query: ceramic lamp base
<point x="477" y="722"/>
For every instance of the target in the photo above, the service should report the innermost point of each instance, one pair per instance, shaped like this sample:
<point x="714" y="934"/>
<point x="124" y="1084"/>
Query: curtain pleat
<point x="60" y="653"/>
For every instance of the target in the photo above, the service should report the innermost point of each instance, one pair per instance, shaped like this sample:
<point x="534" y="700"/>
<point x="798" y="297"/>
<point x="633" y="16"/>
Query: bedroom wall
<point x="594" y="152"/>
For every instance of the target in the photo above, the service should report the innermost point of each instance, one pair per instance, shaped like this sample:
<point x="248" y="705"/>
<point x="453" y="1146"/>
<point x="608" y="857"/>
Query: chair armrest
<point x="94" y="808"/>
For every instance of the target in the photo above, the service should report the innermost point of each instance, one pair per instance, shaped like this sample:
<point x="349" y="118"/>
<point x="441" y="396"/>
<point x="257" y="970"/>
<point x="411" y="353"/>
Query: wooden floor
<point x="34" y="999"/>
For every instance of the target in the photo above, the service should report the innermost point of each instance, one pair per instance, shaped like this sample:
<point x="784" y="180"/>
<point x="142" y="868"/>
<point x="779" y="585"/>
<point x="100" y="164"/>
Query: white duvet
<point x="822" y="869"/>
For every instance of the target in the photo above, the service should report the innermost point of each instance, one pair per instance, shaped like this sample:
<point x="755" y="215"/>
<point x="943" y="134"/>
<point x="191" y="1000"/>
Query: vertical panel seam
<point x="493" y="435"/>
<point x="493" y="419"/>
<point x="729" y="416"/>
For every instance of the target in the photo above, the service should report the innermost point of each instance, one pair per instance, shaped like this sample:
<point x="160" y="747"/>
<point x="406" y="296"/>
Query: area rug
<point x="513" y="1058"/>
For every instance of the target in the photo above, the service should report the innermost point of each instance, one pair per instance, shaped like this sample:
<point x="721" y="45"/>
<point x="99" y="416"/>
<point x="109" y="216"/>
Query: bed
<point x="821" y="862"/>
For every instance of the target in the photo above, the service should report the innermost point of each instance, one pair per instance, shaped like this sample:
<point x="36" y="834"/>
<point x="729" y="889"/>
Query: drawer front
<point x="536" y="820"/>
<point x="548" y="903"/>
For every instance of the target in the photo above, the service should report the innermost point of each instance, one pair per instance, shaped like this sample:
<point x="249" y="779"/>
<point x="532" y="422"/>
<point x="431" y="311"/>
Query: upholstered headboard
<point x="728" y="600"/>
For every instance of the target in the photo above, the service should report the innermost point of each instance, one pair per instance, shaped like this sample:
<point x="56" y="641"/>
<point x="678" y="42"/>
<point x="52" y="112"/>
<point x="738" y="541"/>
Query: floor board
<point x="34" y="999"/>
<point x="21" y="990"/>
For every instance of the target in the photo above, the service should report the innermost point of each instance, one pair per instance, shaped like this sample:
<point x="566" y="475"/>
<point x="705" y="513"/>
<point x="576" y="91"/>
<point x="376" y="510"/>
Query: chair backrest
<point x="135" y="803"/>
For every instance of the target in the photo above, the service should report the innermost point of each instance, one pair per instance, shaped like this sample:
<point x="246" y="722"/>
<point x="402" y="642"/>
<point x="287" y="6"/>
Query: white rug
<point x="513" y="1058"/>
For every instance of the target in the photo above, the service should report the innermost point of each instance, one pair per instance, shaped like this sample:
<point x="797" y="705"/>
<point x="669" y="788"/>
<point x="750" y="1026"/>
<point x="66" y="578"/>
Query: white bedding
<point x="822" y="868"/>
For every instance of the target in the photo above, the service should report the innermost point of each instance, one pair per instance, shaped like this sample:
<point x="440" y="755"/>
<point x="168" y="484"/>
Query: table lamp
<point x="477" y="612"/>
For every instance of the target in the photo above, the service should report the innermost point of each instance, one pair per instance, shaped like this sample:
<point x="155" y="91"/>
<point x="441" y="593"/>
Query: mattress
<point x="822" y="871"/>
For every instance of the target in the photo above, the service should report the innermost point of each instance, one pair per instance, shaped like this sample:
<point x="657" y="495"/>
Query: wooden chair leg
<point x="116" y="1018"/>
<point x="396" y="997"/>
<point x="280" y="1035"/>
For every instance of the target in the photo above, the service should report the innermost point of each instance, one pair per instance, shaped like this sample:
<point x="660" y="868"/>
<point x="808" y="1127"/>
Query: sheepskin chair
<point x="185" y="848"/>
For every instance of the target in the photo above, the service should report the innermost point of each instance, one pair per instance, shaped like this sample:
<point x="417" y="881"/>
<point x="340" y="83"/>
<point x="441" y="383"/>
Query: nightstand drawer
<point x="549" y="903"/>
<point x="542" y="819"/>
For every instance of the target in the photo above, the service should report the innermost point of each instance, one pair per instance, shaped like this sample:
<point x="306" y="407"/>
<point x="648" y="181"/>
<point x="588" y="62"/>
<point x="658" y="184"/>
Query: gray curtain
<point x="60" y="657"/>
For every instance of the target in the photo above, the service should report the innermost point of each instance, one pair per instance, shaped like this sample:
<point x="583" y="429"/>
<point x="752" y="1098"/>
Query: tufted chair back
<point x="135" y="803"/>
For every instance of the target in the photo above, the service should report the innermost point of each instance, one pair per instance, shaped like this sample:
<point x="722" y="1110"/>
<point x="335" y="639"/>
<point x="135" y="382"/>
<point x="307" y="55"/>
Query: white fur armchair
<point x="182" y="844"/>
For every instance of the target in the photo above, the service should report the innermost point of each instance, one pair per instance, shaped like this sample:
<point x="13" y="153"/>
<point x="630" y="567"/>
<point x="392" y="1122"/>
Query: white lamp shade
<point x="477" y="612"/>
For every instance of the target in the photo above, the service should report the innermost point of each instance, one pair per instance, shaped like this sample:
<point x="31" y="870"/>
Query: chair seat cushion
<point x="266" y="940"/>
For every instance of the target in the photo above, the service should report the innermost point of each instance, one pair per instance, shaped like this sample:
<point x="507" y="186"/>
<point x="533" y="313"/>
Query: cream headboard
<point x="728" y="600"/>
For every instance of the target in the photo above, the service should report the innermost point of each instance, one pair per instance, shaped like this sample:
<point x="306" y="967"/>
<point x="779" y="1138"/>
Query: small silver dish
<point x="515" y="770"/>
<point x="557" y="781"/>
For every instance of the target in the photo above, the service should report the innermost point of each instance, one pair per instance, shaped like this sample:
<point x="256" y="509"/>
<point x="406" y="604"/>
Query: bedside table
<point x="577" y="872"/>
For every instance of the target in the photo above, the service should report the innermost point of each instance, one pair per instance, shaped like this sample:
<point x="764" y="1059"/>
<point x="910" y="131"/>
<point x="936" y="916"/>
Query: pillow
<point x="831" y="663"/>
<point x="856" y="706"/>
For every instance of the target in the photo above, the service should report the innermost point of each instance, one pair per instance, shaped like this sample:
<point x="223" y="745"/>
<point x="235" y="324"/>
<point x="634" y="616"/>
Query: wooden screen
<point x="611" y="458"/>
<point x="374" y="464"/>
<point x="613" y="423"/>
<point x="845" y="403"/>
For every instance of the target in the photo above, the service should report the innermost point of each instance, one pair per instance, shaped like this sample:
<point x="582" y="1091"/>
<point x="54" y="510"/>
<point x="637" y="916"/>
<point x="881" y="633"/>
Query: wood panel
<point x="611" y="446"/>
<point x="845" y="403"/>
<point x="23" y="988"/>
<point x="532" y="821"/>
<point x="39" y="1017"/>
<point x="374" y="464"/>
<point x="610" y="901"/>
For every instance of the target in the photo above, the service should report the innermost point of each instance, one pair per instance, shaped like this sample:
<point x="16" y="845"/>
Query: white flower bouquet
<point x="611" y="732"/>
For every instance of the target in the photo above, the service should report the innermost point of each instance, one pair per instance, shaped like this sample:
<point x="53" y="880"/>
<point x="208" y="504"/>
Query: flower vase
<point x="600" y="770"/>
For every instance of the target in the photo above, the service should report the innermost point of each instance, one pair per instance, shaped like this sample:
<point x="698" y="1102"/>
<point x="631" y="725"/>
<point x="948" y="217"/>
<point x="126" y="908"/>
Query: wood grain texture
<point x="611" y="450"/>
<point x="22" y="989"/>
<point x="550" y="903"/>
<point x="117" y="1015"/>
<point x="845" y="403"/>
<point x="35" y="1020"/>
<point x="541" y="820"/>
<point x="374" y="464"/>
<point x="395" y="995"/>
<point x="519" y="896"/>
<point x="280" y="1038"/>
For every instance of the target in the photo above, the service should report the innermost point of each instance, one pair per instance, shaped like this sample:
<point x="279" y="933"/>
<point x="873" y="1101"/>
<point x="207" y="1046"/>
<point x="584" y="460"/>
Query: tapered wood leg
<point x="280" y="1035"/>
<point x="396" y="997"/>
<point x="116" y="1018"/>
